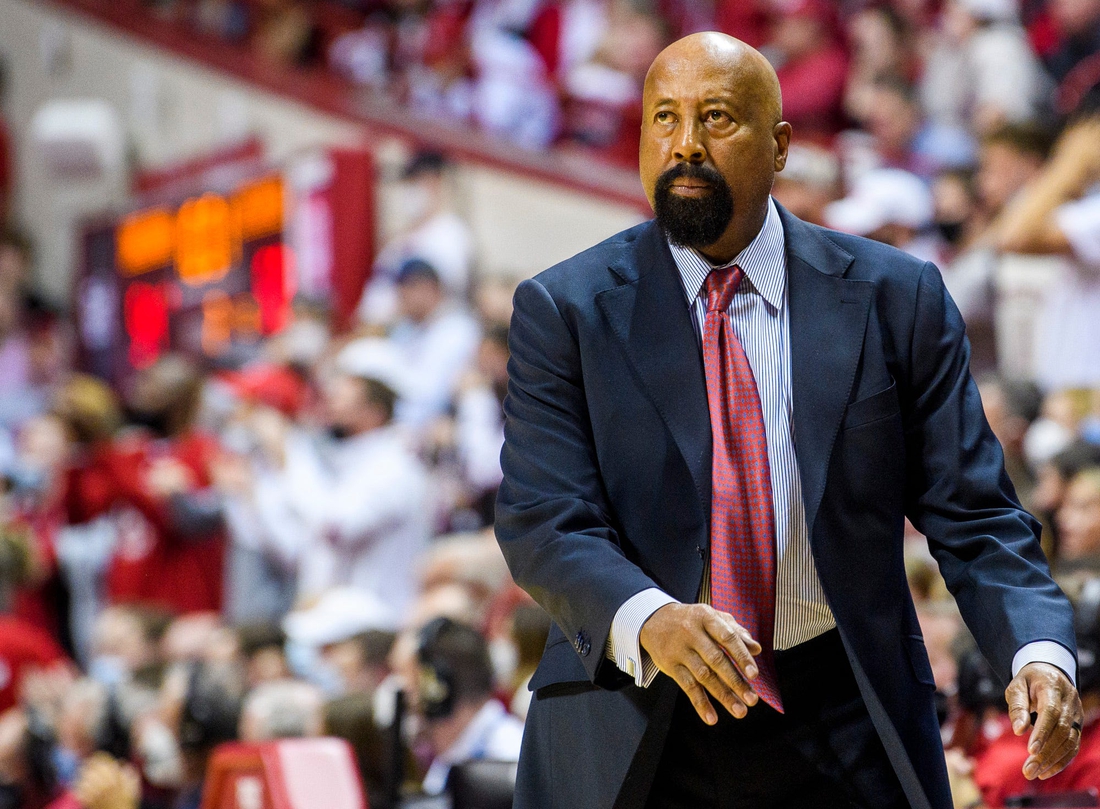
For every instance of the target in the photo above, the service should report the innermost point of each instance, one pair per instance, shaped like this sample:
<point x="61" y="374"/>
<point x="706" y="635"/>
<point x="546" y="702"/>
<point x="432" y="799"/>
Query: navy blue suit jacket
<point x="606" y="492"/>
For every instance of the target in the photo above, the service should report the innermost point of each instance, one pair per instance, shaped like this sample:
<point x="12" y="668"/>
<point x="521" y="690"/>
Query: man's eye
<point x="716" y="115"/>
<point x="663" y="117"/>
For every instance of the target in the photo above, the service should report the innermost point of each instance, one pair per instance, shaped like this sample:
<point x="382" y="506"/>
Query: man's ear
<point x="782" y="136"/>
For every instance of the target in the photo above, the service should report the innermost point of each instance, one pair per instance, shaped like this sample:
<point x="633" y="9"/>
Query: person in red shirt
<point x="812" y="68"/>
<point x="24" y="650"/>
<point x="997" y="771"/>
<point x="150" y="480"/>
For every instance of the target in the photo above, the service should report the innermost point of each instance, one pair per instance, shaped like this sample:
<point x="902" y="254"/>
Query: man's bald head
<point x="747" y="68"/>
<point x="712" y="139"/>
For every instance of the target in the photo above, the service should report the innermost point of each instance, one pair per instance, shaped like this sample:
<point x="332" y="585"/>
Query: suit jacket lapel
<point x="828" y="319"/>
<point x="649" y="316"/>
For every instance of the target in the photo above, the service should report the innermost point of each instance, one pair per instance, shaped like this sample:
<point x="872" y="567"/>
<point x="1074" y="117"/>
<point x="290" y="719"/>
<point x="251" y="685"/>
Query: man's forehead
<point x="703" y="75"/>
<point x="685" y="87"/>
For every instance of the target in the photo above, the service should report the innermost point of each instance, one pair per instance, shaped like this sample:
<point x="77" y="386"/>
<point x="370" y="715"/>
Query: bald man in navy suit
<point x="648" y="696"/>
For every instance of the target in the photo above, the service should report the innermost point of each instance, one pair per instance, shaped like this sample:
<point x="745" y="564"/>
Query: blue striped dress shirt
<point x="761" y="320"/>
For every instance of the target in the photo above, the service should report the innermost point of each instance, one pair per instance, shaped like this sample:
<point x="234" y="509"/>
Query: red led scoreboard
<point x="219" y="268"/>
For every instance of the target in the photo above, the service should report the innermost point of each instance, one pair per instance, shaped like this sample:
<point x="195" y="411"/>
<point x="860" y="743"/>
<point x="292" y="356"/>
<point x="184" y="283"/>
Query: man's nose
<point x="689" y="146"/>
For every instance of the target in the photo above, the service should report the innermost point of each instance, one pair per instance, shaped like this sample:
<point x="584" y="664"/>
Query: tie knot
<point x="720" y="285"/>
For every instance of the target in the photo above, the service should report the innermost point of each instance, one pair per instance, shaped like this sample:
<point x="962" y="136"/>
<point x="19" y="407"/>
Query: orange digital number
<point x="143" y="241"/>
<point x="259" y="208"/>
<point x="205" y="247"/>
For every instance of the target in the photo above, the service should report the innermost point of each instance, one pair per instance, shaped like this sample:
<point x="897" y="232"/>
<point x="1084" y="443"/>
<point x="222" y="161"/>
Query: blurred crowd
<point x="924" y="78"/>
<point x="301" y="545"/>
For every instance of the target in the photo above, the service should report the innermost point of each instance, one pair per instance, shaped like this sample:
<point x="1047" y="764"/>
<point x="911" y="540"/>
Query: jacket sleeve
<point x="959" y="495"/>
<point x="553" y="521"/>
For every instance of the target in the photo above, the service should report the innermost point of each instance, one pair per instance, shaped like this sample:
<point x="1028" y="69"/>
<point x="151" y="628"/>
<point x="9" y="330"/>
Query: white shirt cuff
<point x="1040" y="651"/>
<point x="623" y="644"/>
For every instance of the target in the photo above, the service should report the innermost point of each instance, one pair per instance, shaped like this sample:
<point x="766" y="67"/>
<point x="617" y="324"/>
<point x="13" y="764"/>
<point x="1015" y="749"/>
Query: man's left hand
<point x="1045" y="691"/>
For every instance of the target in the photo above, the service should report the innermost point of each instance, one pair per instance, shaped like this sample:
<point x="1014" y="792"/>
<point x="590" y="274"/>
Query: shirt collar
<point x="764" y="262"/>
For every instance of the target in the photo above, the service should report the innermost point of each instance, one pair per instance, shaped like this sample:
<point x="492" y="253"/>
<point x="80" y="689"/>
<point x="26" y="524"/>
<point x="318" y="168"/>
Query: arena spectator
<point x="126" y="644"/>
<point x="26" y="777"/>
<point x="983" y="72"/>
<point x="436" y="340"/>
<point x="603" y="95"/>
<point x="283" y="33"/>
<point x="31" y="353"/>
<point x="1059" y="214"/>
<point x="358" y="493"/>
<point x="897" y="134"/>
<point x="453" y="696"/>
<point x="262" y="651"/>
<point x="996" y="772"/>
<point x="890" y="206"/>
<point x="882" y="45"/>
<point x="1079" y="522"/>
<point x="430" y="230"/>
<point x="479" y="422"/>
<point x="1077" y="23"/>
<point x="1053" y="476"/>
<point x="153" y="481"/>
<point x="200" y="709"/>
<point x="346" y="638"/>
<point x="808" y="183"/>
<point x="811" y="65"/>
<point x="265" y="542"/>
<point x="282" y="709"/>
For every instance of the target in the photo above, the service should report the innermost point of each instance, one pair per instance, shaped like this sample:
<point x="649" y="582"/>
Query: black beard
<point x="689" y="222"/>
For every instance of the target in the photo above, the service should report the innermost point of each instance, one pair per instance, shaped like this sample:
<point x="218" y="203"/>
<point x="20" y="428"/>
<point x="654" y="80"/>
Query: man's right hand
<point x="706" y="652"/>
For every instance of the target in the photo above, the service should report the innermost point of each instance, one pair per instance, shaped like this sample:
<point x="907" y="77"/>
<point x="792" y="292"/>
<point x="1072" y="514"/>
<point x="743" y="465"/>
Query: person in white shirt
<point x="360" y="492"/>
<point x="454" y="700"/>
<point x="431" y="231"/>
<point x="1058" y="214"/>
<point x="437" y="340"/>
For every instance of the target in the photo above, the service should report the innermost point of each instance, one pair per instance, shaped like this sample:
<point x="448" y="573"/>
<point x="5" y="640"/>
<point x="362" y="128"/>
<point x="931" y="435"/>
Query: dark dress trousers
<point x="606" y="492"/>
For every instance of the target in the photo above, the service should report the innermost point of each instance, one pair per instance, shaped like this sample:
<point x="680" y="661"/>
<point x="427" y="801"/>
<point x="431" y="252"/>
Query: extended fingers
<point x="695" y="693"/>
<point x="723" y="682"/>
<point x="1018" y="705"/>
<point x="735" y="640"/>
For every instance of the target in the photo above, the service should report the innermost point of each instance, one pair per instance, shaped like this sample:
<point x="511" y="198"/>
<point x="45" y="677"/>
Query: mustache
<point x="690" y="171"/>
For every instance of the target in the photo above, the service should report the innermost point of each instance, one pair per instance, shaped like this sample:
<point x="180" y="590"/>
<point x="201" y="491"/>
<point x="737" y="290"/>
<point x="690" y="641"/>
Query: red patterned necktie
<point x="742" y="544"/>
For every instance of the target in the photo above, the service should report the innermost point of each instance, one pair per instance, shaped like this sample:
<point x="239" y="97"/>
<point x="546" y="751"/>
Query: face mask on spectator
<point x="66" y="765"/>
<point x="339" y="432"/>
<point x="108" y="669"/>
<point x="306" y="662"/>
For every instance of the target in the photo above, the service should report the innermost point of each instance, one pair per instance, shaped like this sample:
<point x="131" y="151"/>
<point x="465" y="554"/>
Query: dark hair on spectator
<point x="381" y="395"/>
<point x="417" y="269"/>
<point x="1027" y="137"/>
<point x="1076" y="458"/>
<point x="1023" y="398"/>
<point x="153" y="619"/>
<point x="254" y="638"/>
<point x="425" y="162"/>
<point x="463" y="652"/>
<point x="898" y="25"/>
<point x="898" y="86"/>
<point x="212" y="707"/>
<point x="374" y="646"/>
